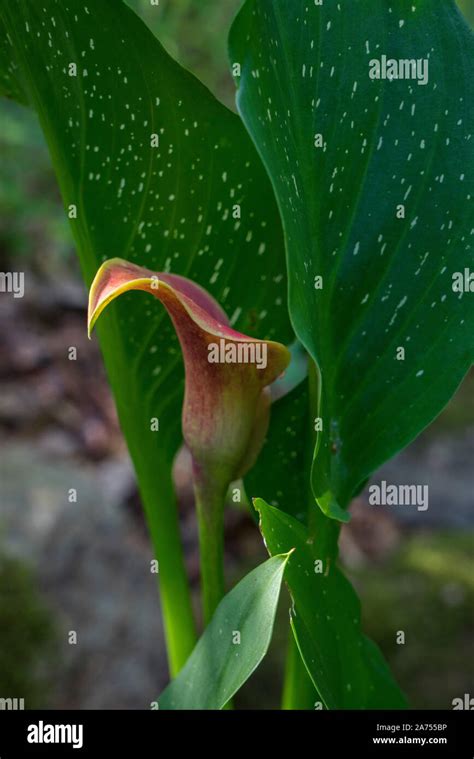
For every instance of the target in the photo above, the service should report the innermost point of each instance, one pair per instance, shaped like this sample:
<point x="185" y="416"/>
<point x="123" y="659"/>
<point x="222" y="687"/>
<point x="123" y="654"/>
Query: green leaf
<point x="347" y="669"/>
<point x="11" y="85"/>
<point x="386" y="281"/>
<point x="289" y="443"/>
<point x="219" y="666"/>
<point x="169" y="208"/>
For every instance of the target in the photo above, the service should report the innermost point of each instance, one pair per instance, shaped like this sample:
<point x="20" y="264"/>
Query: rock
<point x="94" y="572"/>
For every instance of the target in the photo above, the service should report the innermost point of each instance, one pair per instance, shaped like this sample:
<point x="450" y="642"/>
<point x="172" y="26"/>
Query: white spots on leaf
<point x="235" y="316"/>
<point x="400" y="305"/>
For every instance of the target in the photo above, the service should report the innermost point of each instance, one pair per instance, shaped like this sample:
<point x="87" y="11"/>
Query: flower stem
<point x="210" y="497"/>
<point x="209" y="494"/>
<point x="159" y="501"/>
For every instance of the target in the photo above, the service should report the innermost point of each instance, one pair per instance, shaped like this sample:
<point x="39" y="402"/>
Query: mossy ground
<point x="27" y="636"/>
<point x="426" y="591"/>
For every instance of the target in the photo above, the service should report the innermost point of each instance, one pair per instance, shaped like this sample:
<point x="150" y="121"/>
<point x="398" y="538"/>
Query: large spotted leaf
<point x="347" y="669"/>
<point x="374" y="179"/>
<point x="154" y="170"/>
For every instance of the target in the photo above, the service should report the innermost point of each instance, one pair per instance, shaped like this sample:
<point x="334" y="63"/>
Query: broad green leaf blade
<point x="347" y="669"/>
<point x="154" y="170"/>
<point x="167" y="208"/>
<point x="219" y="665"/>
<point x="387" y="280"/>
<point x="11" y="85"/>
<point x="283" y="466"/>
<point x="290" y="440"/>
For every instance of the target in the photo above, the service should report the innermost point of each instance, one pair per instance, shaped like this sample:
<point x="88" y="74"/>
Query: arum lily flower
<point x="226" y="402"/>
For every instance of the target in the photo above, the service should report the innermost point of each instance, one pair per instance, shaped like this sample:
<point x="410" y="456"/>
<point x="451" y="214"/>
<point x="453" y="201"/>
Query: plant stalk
<point x="162" y="519"/>
<point x="298" y="689"/>
<point x="210" y="496"/>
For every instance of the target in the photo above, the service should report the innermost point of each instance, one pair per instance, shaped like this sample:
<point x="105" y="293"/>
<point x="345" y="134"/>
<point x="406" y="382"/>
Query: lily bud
<point x="227" y="401"/>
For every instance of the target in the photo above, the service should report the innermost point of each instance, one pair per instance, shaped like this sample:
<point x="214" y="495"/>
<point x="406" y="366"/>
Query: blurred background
<point x="70" y="566"/>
